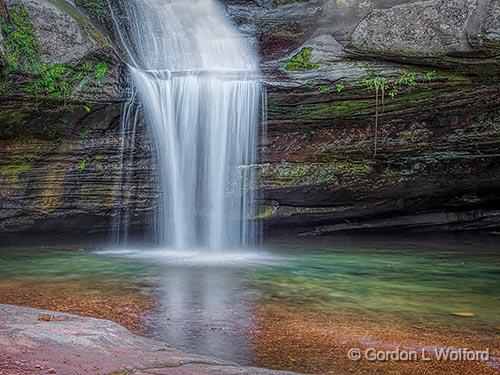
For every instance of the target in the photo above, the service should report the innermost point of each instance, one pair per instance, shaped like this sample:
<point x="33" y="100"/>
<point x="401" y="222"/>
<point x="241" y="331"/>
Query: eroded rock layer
<point x="381" y="114"/>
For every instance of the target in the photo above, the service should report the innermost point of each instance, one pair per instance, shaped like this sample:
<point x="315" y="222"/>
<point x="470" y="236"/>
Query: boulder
<point x="73" y="345"/>
<point x="63" y="34"/>
<point x="426" y="29"/>
<point x="426" y="72"/>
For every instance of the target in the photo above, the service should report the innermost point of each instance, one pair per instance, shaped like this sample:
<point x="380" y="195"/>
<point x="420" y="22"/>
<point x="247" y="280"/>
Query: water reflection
<point x="204" y="299"/>
<point x="269" y="309"/>
<point x="207" y="309"/>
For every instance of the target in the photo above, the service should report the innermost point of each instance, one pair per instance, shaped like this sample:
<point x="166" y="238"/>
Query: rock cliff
<point x="381" y="115"/>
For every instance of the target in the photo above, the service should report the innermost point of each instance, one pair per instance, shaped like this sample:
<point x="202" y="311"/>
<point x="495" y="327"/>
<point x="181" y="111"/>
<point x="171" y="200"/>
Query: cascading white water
<point x="199" y="87"/>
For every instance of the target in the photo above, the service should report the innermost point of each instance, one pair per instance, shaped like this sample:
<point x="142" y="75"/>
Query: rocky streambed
<point x="44" y="342"/>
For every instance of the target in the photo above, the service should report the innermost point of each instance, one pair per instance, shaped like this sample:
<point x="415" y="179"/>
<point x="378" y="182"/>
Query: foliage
<point x="339" y="87"/>
<point x="323" y="89"/>
<point x="53" y="80"/>
<point x="58" y="81"/>
<point x="379" y="83"/>
<point x="383" y="85"/>
<point x="101" y="69"/>
<point x="407" y="78"/>
<point x="301" y="61"/>
<point x="54" y="131"/>
<point x="20" y="43"/>
<point x="82" y="164"/>
<point x="85" y="134"/>
<point x="96" y="7"/>
<point x="430" y="75"/>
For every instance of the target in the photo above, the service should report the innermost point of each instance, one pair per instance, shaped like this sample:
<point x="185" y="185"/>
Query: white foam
<point x="200" y="257"/>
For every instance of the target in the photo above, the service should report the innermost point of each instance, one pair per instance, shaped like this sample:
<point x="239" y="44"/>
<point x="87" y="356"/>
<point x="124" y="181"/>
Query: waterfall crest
<point x="199" y="88"/>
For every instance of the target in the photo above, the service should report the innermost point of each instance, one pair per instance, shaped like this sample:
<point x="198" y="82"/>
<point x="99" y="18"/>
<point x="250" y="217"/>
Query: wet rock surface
<point x="31" y="343"/>
<point x="380" y="115"/>
<point x="63" y="33"/>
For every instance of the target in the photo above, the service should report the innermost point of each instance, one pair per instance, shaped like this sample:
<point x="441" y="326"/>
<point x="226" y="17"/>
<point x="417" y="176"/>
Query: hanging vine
<point x="382" y="85"/>
<point x="378" y="83"/>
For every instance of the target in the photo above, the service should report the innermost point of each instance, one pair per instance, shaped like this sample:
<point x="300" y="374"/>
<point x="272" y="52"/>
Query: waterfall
<point x="198" y="85"/>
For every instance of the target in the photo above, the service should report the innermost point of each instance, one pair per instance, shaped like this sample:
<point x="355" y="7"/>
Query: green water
<point x="205" y="304"/>
<point x="414" y="281"/>
<point x="56" y="264"/>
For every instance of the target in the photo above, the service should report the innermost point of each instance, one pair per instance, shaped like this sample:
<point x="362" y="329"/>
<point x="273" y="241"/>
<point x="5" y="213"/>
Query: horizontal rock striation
<point x="381" y="115"/>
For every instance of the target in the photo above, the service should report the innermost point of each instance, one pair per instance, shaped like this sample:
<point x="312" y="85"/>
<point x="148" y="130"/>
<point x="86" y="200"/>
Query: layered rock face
<point x="381" y="114"/>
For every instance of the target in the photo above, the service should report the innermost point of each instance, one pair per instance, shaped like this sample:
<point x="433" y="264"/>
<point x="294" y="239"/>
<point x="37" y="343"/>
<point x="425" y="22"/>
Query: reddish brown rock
<point x="77" y="346"/>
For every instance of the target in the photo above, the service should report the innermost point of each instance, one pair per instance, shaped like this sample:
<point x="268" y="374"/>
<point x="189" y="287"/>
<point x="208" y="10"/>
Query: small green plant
<point x="82" y="164"/>
<point x="65" y="146"/>
<point x="430" y="75"/>
<point x="58" y="81"/>
<point x="339" y="87"/>
<point x="20" y="43"/>
<point x="52" y="82"/>
<point x="85" y="134"/>
<point x="101" y="69"/>
<point x="96" y="7"/>
<point x="54" y="131"/>
<point x="301" y="61"/>
<point x="407" y="78"/>
<point x="323" y="89"/>
<point x="393" y="92"/>
<point x="380" y="84"/>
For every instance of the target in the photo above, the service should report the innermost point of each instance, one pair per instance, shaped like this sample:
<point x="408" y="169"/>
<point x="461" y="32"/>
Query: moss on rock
<point x="301" y="61"/>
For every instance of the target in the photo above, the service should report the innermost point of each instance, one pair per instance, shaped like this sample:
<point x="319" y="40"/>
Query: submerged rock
<point x="464" y="314"/>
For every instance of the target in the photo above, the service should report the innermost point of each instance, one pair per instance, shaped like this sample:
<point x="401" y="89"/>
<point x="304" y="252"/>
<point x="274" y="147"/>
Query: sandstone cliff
<point x="381" y="114"/>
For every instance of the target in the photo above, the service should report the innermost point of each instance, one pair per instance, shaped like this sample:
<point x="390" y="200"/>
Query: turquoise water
<point x="407" y="280"/>
<point x="205" y="303"/>
<point x="60" y="264"/>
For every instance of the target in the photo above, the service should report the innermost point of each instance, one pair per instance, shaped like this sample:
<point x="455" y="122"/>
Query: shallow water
<point x="212" y="303"/>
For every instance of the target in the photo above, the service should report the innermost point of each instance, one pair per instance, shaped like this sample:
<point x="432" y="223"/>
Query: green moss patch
<point x="58" y="81"/>
<point x="95" y="7"/>
<point x="10" y="173"/>
<point x="290" y="174"/>
<point x="55" y="81"/>
<point x="20" y="43"/>
<point x="301" y="61"/>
